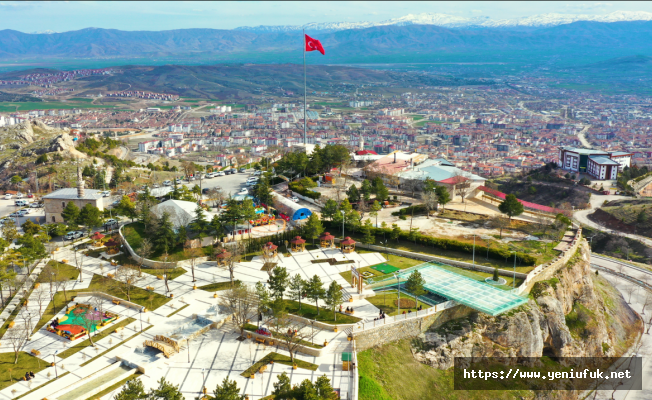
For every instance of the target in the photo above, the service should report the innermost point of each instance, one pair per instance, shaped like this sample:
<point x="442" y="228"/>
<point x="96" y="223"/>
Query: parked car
<point x="244" y="191"/>
<point x="256" y="173"/>
<point x="20" y="203"/>
<point x="234" y="171"/>
<point x="179" y="180"/>
<point x="30" y="195"/>
<point x="192" y="178"/>
<point x="24" y="211"/>
<point x="34" y="205"/>
<point x="227" y="172"/>
<point x="106" y="193"/>
<point x="19" y="195"/>
<point x="110" y="222"/>
<point x="78" y="234"/>
<point x="205" y="191"/>
<point x="8" y="196"/>
<point x="156" y="186"/>
<point x="220" y="173"/>
<point x="70" y="235"/>
<point x="15" y="214"/>
<point x="294" y="199"/>
<point x="241" y="170"/>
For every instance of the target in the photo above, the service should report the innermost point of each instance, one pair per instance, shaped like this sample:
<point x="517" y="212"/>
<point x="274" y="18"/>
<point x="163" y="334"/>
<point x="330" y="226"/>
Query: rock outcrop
<point x="566" y="316"/>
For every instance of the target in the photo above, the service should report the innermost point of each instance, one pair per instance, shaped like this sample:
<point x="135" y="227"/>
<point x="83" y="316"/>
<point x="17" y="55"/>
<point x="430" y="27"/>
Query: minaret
<point x="80" y="182"/>
<point x="361" y="143"/>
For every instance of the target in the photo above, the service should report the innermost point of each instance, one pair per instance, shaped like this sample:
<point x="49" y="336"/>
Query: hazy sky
<point x="31" y="16"/>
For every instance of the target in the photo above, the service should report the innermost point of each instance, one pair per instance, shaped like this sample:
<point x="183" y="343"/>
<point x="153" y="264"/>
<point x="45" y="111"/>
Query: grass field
<point x="10" y="372"/>
<point x="65" y="271"/>
<point x="28" y="106"/>
<point x="135" y="233"/>
<point x="309" y="311"/>
<point x="386" y="301"/>
<point x="280" y="359"/>
<point x="215" y="287"/>
<point x="116" y="386"/>
<point x="175" y="273"/>
<point x="390" y="372"/>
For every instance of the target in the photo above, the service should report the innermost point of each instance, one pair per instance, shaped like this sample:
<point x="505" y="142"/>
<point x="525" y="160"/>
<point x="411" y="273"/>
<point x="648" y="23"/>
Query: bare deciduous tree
<point x="192" y="254"/>
<point x="429" y="201"/>
<point x="292" y="333"/>
<point x="146" y="249"/>
<point x="629" y="290"/>
<point x="241" y="303"/>
<point x="462" y="183"/>
<point x="647" y="302"/>
<point x="126" y="278"/>
<point x="17" y="337"/>
<point x="41" y="295"/>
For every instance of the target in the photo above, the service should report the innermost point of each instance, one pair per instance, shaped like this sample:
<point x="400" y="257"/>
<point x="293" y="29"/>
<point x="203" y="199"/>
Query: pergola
<point x="326" y="240"/>
<point x="270" y="250"/>
<point x="97" y="237"/>
<point x="222" y="257"/>
<point x="347" y="245"/>
<point x="298" y="244"/>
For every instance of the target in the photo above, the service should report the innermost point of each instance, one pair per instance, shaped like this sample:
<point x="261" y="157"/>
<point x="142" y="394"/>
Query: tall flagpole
<point x="305" y="103"/>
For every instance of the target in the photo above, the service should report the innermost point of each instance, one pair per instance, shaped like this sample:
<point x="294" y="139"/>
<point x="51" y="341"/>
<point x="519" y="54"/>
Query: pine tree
<point x="278" y="281"/>
<point x="132" y="390"/>
<point x="333" y="297"/>
<point x="375" y="208"/>
<point x="315" y="290"/>
<point x="165" y="237"/>
<point x="443" y="197"/>
<point x="330" y="209"/>
<point x="199" y="224"/>
<point x="297" y="288"/>
<point x="353" y="194"/>
<point x="366" y="190"/>
<point x="70" y="213"/>
<point x="227" y="391"/>
<point x="165" y="391"/>
<point x="415" y="285"/>
<point x="511" y="206"/>
<point x="313" y="227"/>
<point x="367" y="232"/>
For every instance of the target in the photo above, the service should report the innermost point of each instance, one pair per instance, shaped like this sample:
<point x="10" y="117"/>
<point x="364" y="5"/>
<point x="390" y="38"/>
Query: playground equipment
<point x="77" y="318"/>
<point x="263" y="220"/>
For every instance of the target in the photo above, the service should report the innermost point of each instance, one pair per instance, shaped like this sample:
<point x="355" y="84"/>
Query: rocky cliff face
<point x="31" y="139"/>
<point x="576" y="313"/>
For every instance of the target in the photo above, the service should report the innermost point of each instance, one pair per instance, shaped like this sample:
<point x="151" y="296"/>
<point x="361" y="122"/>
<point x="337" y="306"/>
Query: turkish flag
<point x="314" y="44"/>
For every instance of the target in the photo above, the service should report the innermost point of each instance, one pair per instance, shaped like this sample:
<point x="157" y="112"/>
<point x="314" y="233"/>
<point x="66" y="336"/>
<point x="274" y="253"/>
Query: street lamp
<point x="54" y="361"/>
<point x="474" y="249"/>
<point x="141" y="319"/>
<point x="312" y="331"/>
<point x="514" y="281"/>
<point x="342" y="211"/>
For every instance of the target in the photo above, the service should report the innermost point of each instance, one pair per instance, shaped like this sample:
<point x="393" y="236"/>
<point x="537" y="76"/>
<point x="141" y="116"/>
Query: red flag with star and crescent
<point x="314" y="44"/>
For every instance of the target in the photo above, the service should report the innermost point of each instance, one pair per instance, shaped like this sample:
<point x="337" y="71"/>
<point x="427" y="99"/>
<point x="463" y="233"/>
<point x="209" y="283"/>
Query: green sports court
<point x="384" y="268"/>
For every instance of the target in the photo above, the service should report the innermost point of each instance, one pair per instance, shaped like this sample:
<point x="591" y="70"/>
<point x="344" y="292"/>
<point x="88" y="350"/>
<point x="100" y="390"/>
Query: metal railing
<point x="383" y="322"/>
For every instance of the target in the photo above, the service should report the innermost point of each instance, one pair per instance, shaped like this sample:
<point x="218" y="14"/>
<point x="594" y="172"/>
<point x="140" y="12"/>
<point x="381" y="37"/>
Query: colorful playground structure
<point x="77" y="318"/>
<point x="265" y="219"/>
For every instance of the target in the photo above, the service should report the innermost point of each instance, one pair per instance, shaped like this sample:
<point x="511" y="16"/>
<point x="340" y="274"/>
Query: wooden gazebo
<point x="298" y="244"/>
<point x="96" y="238"/>
<point x="270" y="250"/>
<point x="222" y="257"/>
<point x="347" y="245"/>
<point x="326" y="240"/>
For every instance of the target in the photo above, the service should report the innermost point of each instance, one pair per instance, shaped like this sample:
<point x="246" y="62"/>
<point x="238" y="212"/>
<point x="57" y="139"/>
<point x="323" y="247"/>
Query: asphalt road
<point x="636" y="300"/>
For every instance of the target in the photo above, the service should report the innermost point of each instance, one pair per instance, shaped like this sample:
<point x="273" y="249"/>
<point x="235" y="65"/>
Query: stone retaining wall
<point x="407" y="329"/>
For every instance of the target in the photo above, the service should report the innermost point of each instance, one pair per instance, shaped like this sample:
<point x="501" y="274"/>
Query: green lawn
<point x="139" y="296"/>
<point x="386" y="301"/>
<point x="215" y="287"/>
<point x="175" y="273"/>
<point x="179" y="309"/>
<point x="252" y="328"/>
<point x="309" y="311"/>
<point x="279" y="359"/>
<point x="114" y="387"/>
<point x="390" y="372"/>
<point x="135" y="232"/>
<point x="106" y="332"/>
<point x="65" y="271"/>
<point x="10" y="372"/>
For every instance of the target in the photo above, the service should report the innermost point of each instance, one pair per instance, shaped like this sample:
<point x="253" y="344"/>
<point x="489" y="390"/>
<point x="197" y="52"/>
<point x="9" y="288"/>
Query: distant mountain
<point x="453" y="21"/>
<point x="378" y="44"/>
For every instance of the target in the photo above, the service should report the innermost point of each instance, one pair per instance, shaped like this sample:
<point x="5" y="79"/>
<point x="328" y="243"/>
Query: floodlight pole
<point x="342" y="211"/>
<point x="398" y="279"/>
<point x="55" y="364"/>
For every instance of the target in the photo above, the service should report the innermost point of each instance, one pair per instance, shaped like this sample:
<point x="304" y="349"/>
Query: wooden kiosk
<point x="298" y="244"/>
<point x="222" y="257"/>
<point x="347" y="245"/>
<point x="326" y="241"/>
<point x="270" y="250"/>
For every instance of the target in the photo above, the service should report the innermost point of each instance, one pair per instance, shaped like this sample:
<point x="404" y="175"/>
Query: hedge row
<point x="451" y="244"/>
<point x="418" y="209"/>
<point x="297" y="187"/>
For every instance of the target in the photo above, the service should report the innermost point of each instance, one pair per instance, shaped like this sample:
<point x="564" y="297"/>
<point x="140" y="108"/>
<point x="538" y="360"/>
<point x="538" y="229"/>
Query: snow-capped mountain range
<point x="452" y="21"/>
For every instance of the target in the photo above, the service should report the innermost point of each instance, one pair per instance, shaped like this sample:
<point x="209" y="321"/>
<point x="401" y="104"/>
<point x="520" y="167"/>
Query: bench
<point x="116" y="302"/>
<point x="118" y="329"/>
<point x="270" y="342"/>
<point x="260" y="340"/>
<point x="35" y="352"/>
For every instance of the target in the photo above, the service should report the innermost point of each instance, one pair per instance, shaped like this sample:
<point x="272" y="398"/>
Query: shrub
<point x="299" y="188"/>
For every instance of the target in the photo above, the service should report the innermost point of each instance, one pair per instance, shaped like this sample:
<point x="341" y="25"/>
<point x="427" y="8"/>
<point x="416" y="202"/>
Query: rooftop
<point x="584" y="151"/>
<point x="71" y="193"/>
<point x="603" y="160"/>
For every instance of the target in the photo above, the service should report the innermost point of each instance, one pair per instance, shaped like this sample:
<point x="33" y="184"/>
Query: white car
<point x="34" y="205"/>
<point x="8" y="196"/>
<point x="244" y="191"/>
<point x="19" y="195"/>
<point x="192" y="178"/>
<point x="221" y="173"/>
<point x="167" y="183"/>
<point x="252" y="179"/>
<point x="256" y="173"/>
<point x="294" y="199"/>
<point x="156" y="186"/>
<point x="106" y="193"/>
